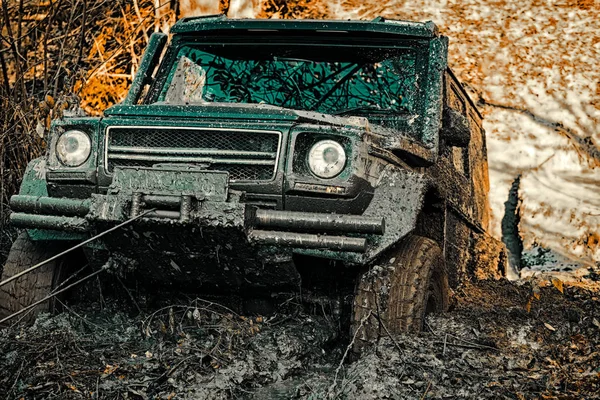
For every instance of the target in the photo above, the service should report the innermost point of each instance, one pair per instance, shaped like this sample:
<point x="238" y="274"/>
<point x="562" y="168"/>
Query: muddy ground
<point x="500" y="340"/>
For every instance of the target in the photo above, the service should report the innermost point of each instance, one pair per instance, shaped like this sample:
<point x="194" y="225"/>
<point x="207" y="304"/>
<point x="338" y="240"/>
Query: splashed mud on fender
<point x="40" y="169"/>
<point x="398" y="195"/>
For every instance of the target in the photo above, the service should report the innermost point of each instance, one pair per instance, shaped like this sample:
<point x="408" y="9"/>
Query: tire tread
<point x="397" y="294"/>
<point x="31" y="287"/>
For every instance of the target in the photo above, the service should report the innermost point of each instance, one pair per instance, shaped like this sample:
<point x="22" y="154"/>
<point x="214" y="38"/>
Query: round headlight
<point x="73" y="148"/>
<point x="326" y="159"/>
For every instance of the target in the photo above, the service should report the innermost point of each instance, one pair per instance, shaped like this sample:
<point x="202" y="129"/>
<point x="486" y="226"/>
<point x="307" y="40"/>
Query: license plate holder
<point x="201" y="184"/>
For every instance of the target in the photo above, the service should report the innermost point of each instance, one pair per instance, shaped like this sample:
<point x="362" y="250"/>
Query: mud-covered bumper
<point x="302" y="230"/>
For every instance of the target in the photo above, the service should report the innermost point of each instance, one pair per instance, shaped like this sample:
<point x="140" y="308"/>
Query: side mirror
<point x="455" y="128"/>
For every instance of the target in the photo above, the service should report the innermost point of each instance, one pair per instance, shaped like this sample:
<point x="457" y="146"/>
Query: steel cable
<point x="29" y="307"/>
<point x="38" y="265"/>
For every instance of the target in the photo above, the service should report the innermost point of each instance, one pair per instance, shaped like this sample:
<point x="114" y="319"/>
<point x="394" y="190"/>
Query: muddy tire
<point x="33" y="286"/>
<point x="395" y="296"/>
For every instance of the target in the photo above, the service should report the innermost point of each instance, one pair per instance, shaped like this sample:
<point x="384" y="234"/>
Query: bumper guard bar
<point x="267" y="227"/>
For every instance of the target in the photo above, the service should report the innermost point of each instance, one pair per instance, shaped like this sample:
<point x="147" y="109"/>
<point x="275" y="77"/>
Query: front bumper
<point x="290" y="229"/>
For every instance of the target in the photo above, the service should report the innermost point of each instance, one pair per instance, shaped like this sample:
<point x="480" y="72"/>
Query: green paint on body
<point x="34" y="184"/>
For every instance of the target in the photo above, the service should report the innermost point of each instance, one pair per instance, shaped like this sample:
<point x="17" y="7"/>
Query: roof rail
<point x="379" y="25"/>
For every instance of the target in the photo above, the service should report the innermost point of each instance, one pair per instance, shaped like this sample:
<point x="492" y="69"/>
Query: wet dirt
<point x="7" y="236"/>
<point x="499" y="340"/>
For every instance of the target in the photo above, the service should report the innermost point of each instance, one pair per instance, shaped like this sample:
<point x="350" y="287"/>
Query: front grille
<point x="246" y="155"/>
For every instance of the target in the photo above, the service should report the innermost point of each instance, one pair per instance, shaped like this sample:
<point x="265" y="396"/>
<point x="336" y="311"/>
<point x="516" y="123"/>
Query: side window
<point x="455" y="100"/>
<point x="460" y="155"/>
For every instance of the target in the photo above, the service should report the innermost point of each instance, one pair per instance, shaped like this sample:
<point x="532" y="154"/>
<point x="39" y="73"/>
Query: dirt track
<point x="500" y="340"/>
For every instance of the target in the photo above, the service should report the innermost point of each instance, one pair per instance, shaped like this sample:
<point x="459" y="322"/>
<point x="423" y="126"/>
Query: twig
<point x="400" y="350"/>
<point x="473" y="343"/>
<point x="100" y="293"/>
<point x="172" y="369"/>
<point x="82" y="36"/>
<point x="350" y="345"/>
<point x="426" y="390"/>
<point x="464" y="346"/>
<point x="445" y="341"/>
<point x="16" y="378"/>
<point x="80" y="317"/>
<point x="129" y="294"/>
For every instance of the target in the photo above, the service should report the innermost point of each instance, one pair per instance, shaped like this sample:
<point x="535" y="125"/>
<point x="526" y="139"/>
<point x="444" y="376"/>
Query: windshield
<point x="332" y="80"/>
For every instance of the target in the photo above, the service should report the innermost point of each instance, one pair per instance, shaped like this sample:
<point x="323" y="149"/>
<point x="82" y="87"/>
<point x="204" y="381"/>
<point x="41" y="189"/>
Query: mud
<point x="499" y="340"/>
<point x="7" y="236"/>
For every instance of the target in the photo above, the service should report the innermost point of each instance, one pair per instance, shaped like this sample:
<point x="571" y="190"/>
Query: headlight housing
<point x="73" y="148"/>
<point x="326" y="159"/>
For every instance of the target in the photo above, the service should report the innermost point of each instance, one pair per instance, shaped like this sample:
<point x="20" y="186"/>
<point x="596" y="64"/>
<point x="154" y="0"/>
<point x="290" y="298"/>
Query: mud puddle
<point x="504" y="340"/>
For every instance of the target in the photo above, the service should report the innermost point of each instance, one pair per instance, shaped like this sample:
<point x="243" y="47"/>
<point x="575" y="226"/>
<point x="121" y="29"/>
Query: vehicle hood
<point x="225" y="111"/>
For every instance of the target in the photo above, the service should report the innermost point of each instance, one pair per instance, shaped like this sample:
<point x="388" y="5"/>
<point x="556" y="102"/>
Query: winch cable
<point x="40" y="264"/>
<point x="29" y="307"/>
<point x="57" y="288"/>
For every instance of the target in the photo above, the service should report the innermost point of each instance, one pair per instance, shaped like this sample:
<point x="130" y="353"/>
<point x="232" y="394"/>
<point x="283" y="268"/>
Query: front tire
<point x="396" y="296"/>
<point x="33" y="286"/>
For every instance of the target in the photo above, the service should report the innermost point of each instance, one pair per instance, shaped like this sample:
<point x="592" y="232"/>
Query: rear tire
<point x="396" y="296"/>
<point x="33" y="286"/>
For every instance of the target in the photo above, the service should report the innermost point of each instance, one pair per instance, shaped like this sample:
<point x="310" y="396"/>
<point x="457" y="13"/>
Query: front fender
<point x="34" y="184"/>
<point x="398" y="199"/>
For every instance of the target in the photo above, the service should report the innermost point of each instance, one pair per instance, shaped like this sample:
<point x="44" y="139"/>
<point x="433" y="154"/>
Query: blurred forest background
<point x="532" y="66"/>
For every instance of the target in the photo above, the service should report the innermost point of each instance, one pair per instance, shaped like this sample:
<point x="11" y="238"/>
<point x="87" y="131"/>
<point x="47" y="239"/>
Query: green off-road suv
<point x="338" y="161"/>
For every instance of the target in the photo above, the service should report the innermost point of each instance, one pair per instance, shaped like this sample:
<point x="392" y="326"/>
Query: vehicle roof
<point x="380" y="26"/>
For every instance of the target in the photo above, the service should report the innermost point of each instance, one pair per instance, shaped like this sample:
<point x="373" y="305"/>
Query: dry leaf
<point x="73" y="388"/>
<point x="528" y="305"/>
<point x="109" y="370"/>
<point x="596" y="323"/>
<point x="196" y="315"/>
<point x="558" y="284"/>
<point x="40" y="129"/>
<point x="549" y="327"/>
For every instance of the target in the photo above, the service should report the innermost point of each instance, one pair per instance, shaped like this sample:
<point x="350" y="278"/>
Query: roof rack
<point x="379" y="25"/>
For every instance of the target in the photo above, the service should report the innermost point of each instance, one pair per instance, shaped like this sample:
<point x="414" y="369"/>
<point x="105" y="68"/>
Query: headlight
<point x="73" y="148"/>
<point x="326" y="159"/>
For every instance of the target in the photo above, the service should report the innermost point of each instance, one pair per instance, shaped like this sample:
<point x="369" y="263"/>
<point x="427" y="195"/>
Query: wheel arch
<point x="431" y="219"/>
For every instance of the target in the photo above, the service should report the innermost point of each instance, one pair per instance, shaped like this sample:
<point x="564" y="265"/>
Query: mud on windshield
<point x="341" y="80"/>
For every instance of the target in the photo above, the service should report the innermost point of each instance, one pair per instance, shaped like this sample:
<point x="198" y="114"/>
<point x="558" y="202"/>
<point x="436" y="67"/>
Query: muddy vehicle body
<point x="335" y="159"/>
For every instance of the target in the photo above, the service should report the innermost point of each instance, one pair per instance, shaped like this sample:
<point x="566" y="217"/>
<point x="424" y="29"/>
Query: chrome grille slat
<point x="175" y="159"/>
<point x="233" y="153"/>
<point x="247" y="155"/>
